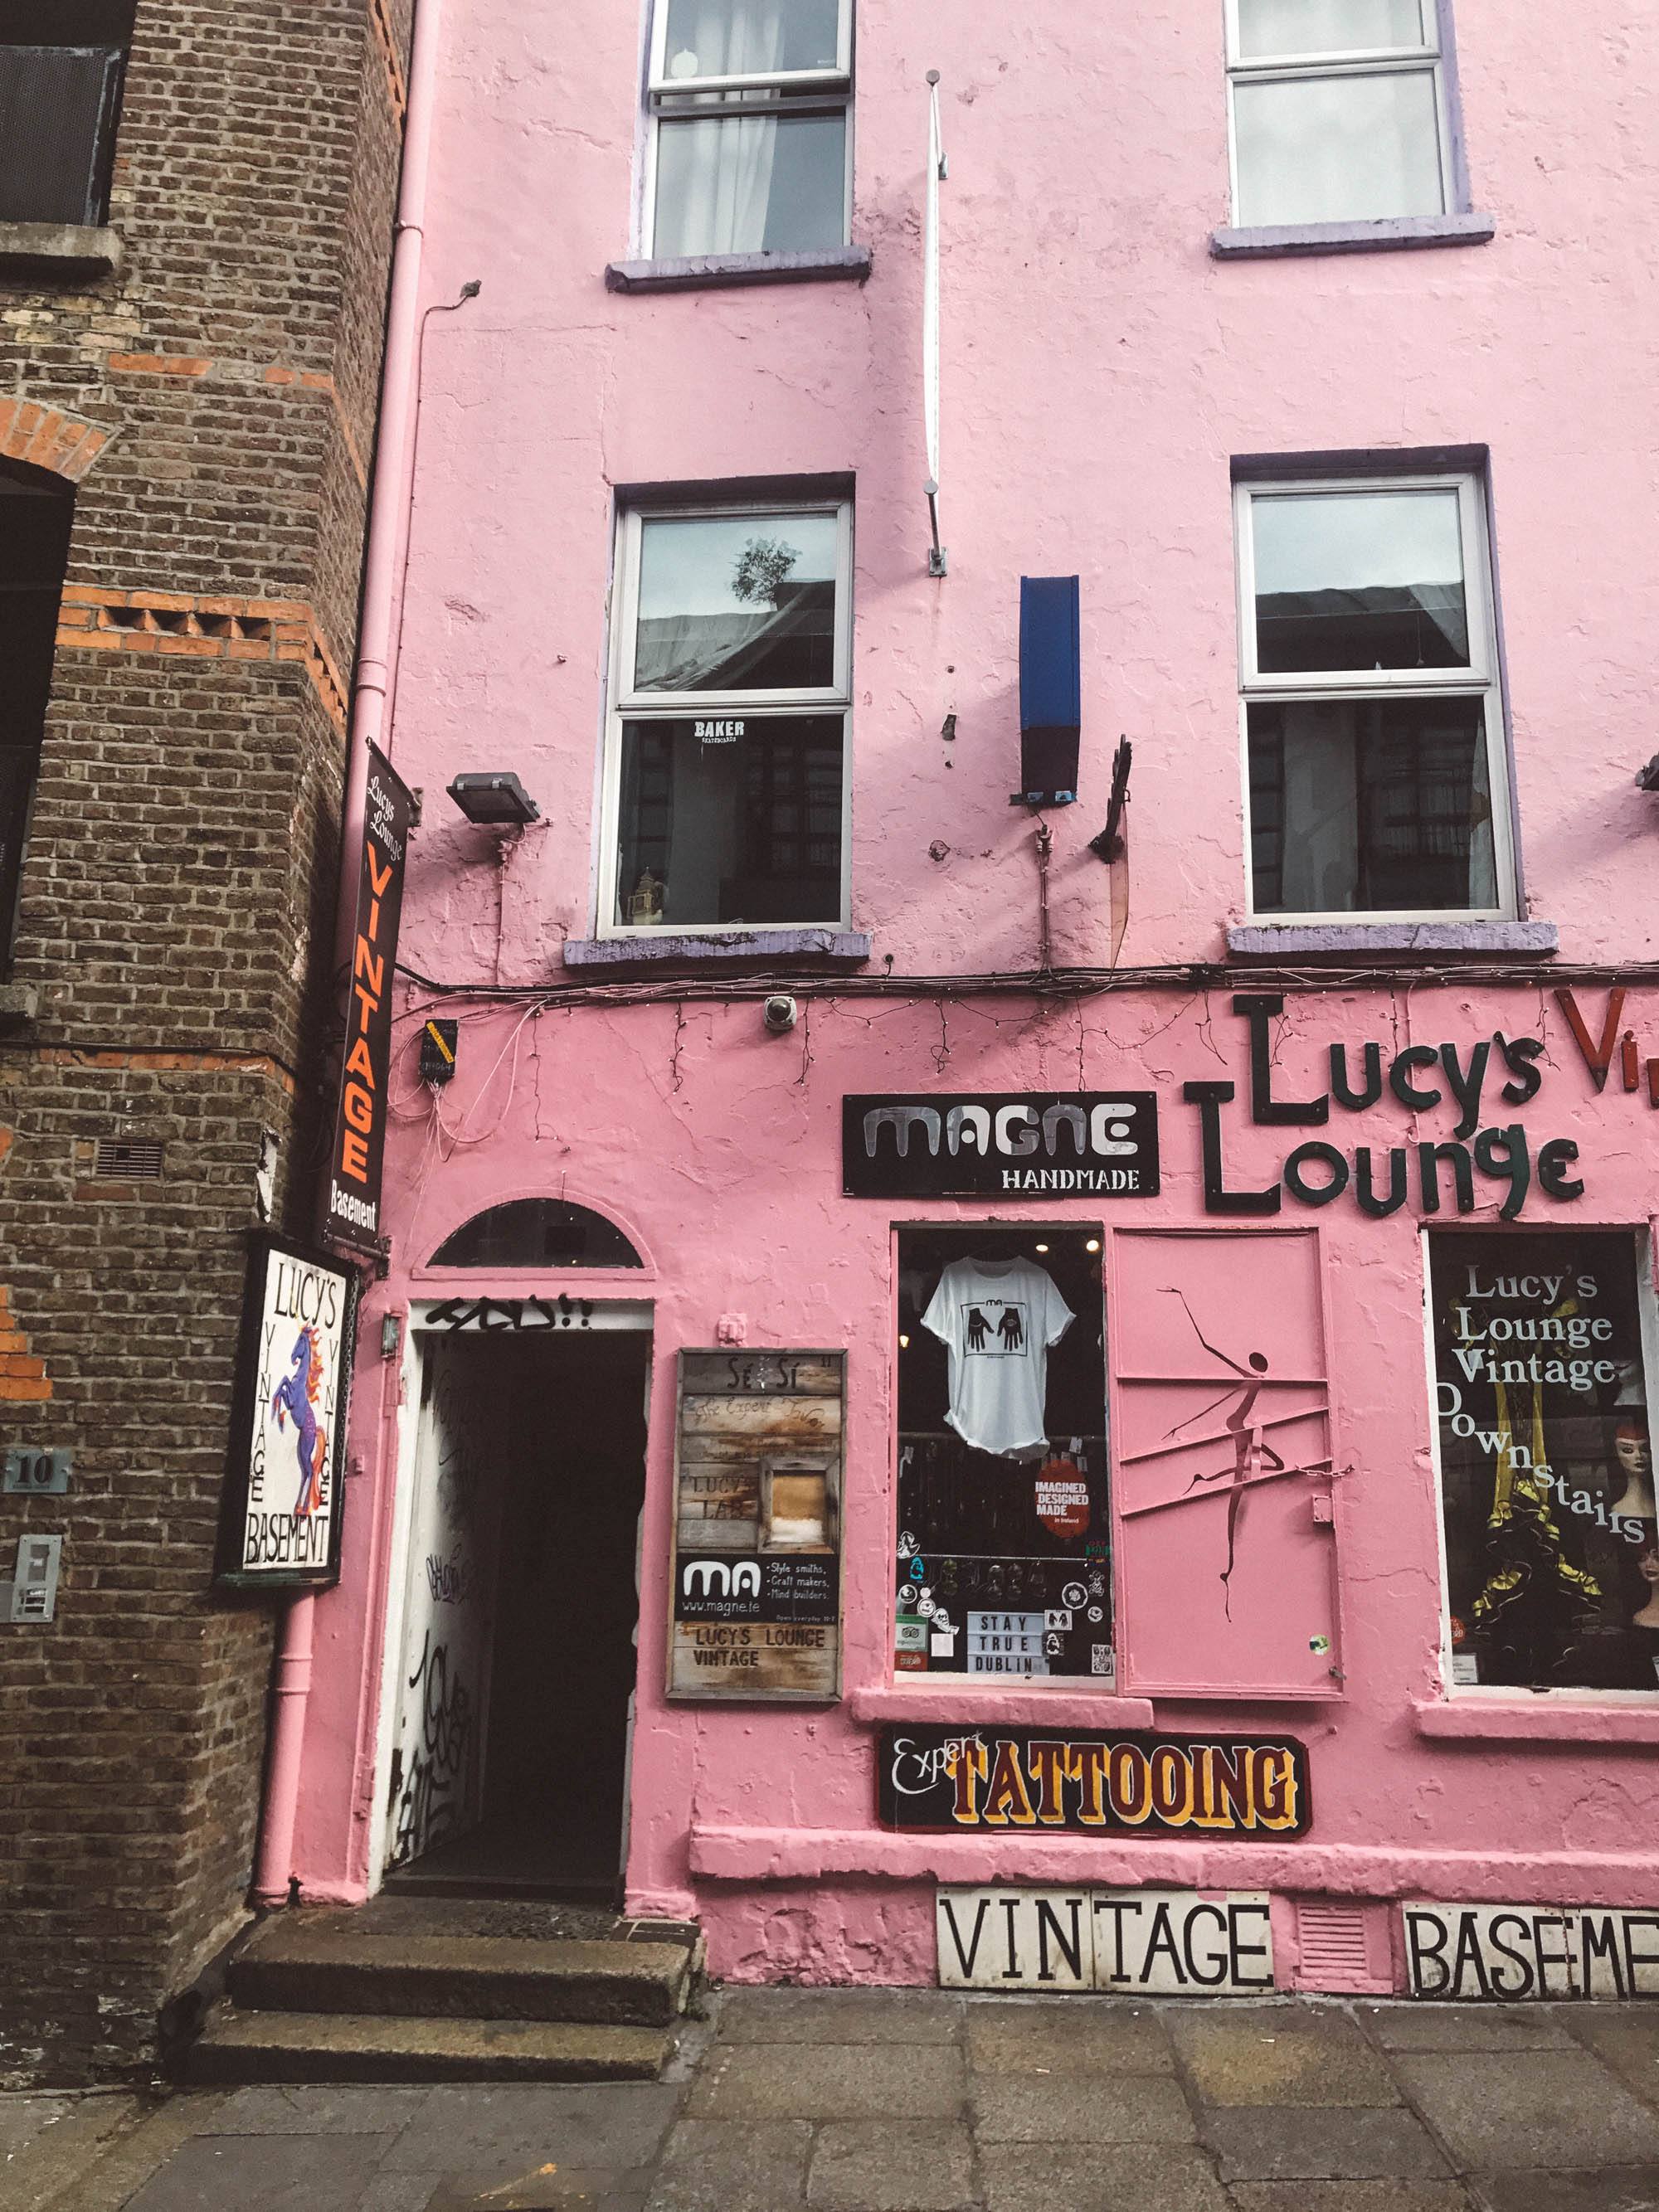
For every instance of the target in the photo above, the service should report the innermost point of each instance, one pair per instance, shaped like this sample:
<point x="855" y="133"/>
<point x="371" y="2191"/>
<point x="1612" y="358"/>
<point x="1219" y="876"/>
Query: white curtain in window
<point x="728" y="164"/>
<point x="1321" y="809"/>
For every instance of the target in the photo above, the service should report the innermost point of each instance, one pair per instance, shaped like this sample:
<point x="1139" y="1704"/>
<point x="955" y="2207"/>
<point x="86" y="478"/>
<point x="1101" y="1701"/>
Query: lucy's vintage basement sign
<point x="757" y="1559"/>
<point x="1001" y="1144"/>
<point x="353" y="1166"/>
<point x="1172" y="1942"/>
<point x="280" y="1526"/>
<point x="1465" y="1953"/>
<point x="944" y="1779"/>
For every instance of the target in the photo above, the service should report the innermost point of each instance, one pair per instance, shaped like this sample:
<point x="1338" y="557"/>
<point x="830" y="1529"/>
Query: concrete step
<point x="294" y="2046"/>
<point x="301" y="1966"/>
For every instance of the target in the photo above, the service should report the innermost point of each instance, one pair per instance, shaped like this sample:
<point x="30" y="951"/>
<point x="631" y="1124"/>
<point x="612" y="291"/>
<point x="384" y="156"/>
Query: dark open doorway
<point x="518" y="1640"/>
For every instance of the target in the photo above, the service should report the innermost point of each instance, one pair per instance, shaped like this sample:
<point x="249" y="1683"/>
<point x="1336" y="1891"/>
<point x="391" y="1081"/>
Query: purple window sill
<point x="766" y="948"/>
<point x="1389" y="236"/>
<point x="828" y="265"/>
<point x="1397" y="940"/>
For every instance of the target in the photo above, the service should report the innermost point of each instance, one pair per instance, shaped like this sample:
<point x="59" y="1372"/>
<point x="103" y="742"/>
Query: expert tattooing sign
<point x="281" y="1522"/>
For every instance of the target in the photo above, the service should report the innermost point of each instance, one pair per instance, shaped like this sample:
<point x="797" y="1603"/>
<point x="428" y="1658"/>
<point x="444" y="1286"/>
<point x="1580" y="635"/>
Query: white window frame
<point x="663" y="93"/>
<point x="1648" y="1314"/>
<point x="630" y="704"/>
<point x="1369" y="61"/>
<point x="1479" y="679"/>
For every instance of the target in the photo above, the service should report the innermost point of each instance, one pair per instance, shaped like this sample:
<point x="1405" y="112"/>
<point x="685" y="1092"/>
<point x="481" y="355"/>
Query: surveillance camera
<point x="779" y="1013"/>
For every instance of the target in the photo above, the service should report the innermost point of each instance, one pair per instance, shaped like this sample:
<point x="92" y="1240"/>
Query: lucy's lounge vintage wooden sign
<point x="948" y="1780"/>
<point x="757" y="1557"/>
<point x="1001" y="1144"/>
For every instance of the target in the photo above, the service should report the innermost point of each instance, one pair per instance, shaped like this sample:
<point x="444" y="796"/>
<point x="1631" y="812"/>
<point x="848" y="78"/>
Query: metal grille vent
<point x="127" y="1159"/>
<point x="1331" y="1949"/>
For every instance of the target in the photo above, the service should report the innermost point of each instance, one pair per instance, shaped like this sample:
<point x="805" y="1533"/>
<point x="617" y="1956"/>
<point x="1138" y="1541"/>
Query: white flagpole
<point x="937" y="168"/>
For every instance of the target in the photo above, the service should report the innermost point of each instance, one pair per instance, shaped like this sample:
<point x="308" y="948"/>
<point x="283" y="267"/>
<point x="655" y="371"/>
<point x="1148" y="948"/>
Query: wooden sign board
<point x="757" y="1554"/>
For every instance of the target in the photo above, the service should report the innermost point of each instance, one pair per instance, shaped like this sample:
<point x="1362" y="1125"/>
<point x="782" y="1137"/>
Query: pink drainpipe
<point x="377" y="646"/>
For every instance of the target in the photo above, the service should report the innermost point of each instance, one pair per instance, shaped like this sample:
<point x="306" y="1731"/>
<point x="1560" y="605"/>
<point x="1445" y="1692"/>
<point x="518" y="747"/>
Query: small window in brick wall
<point x="62" y="63"/>
<point x="36" y="511"/>
<point x="127" y="1159"/>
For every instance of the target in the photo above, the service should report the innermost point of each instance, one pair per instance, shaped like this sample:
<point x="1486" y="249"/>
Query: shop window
<point x="536" y="1232"/>
<point x="1004" y="1564"/>
<point x="750" y="104"/>
<point x="1373" y="723"/>
<point x="36" y="511"/>
<point x="61" y="67"/>
<point x="727" y="772"/>
<point x="1541" y="1380"/>
<point x="1339" y="112"/>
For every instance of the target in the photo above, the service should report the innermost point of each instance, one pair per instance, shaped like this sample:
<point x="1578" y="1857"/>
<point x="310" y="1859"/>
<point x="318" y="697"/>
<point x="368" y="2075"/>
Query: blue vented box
<point x="1050" y="689"/>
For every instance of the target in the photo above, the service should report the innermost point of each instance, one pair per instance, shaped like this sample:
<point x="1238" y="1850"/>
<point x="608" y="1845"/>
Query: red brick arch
<point x="66" y="444"/>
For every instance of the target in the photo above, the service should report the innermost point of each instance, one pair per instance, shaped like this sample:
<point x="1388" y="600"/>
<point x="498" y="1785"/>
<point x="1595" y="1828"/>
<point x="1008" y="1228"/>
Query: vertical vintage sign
<point x="280" y="1526"/>
<point x="757" y="1559"/>
<point x="353" y="1213"/>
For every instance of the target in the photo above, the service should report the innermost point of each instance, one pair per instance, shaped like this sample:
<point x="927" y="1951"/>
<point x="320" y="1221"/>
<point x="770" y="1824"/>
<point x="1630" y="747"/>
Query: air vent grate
<point x="127" y="1159"/>
<point x="1331" y="1949"/>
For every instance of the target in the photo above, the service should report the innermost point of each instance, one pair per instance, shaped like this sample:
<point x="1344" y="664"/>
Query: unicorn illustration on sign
<point x="296" y="1393"/>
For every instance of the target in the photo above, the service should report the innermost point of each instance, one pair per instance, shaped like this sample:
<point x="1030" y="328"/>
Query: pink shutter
<point x="1221" y="1432"/>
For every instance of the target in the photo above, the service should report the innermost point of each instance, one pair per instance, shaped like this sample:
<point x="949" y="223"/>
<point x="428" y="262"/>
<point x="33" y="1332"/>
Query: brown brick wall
<point x="215" y="402"/>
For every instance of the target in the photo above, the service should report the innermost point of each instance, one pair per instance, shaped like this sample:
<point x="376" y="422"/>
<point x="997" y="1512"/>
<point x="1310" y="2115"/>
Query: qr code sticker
<point x="1100" y="1659"/>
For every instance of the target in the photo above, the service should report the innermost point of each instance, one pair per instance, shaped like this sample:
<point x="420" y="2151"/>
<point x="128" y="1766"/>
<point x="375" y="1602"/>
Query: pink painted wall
<point x="1099" y="370"/>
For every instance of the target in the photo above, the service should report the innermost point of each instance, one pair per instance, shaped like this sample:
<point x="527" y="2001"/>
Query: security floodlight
<point x="495" y="802"/>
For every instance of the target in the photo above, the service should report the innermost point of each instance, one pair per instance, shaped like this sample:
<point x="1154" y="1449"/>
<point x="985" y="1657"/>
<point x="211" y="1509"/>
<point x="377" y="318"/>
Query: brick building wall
<point x="213" y="401"/>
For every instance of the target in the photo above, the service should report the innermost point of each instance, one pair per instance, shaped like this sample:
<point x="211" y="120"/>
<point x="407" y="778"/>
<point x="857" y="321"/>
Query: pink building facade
<point x="955" y="1395"/>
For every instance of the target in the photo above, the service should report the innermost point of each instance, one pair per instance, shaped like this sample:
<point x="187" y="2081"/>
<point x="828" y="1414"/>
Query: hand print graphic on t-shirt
<point x="997" y="1320"/>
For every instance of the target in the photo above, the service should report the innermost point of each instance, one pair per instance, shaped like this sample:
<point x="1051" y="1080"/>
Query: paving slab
<point x="1349" y="2197"/>
<point x="1406" y="2026"/>
<point x="48" y="2144"/>
<point x="1322" y="2143"/>
<point x="733" y="2165"/>
<point x="1499" y="2110"/>
<point x="22" y="2117"/>
<point x="264" y="2173"/>
<point x="1607" y="2189"/>
<point x="1072" y="2178"/>
<point x="870" y="2166"/>
<point x="1275" y="2054"/>
<point x="510" y="2128"/>
<point x="1067" y="2036"/>
<point x="396" y="2192"/>
<point x="1080" y="2108"/>
<point x="1626" y="2041"/>
<point x="840" y="2016"/>
<point x="548" y="2187"/>
<point x="831" y="2081"/>
<point x="322" y="2108"/>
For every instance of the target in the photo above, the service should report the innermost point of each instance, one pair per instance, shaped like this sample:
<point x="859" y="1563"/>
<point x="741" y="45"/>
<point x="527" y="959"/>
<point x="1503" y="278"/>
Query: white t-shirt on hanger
<point x="998" y="1319"/>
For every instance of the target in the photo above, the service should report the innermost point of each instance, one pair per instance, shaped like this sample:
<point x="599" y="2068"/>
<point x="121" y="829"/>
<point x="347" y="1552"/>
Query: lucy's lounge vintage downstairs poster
<point x="280" y="1526"/>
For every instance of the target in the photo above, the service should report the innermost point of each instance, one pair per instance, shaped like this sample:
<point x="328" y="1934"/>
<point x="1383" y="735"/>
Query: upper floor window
<point x="1373" y="724"/>
<point x="749" y="108"/>
<point x="61" y="67"/>
<point x="1338" y="110"/>
<point x="725" y="784"/>
<point x="36" y="511"/>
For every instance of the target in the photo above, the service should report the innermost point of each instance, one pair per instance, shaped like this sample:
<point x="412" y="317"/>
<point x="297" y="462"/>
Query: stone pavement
<point x="802" y="2100"/>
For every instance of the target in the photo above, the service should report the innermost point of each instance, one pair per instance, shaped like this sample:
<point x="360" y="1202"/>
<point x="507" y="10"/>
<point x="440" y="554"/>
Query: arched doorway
<point x="511" y="1698"/>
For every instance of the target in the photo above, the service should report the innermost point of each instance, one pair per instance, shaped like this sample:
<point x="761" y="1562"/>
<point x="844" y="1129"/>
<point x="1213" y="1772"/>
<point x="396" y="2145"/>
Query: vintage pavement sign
<point x="756" y="1561"/>
<point x="280" y="1526"/>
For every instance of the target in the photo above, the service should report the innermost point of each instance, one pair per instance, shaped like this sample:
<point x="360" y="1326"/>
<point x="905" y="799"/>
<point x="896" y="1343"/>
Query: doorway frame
<point x="607" y="1315"/>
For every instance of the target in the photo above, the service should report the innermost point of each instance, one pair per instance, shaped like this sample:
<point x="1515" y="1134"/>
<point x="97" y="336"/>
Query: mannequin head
<point x="1647" y="1564"/>
<point x="1633" y="1465"/>
<point x="1634" y="1448"/>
